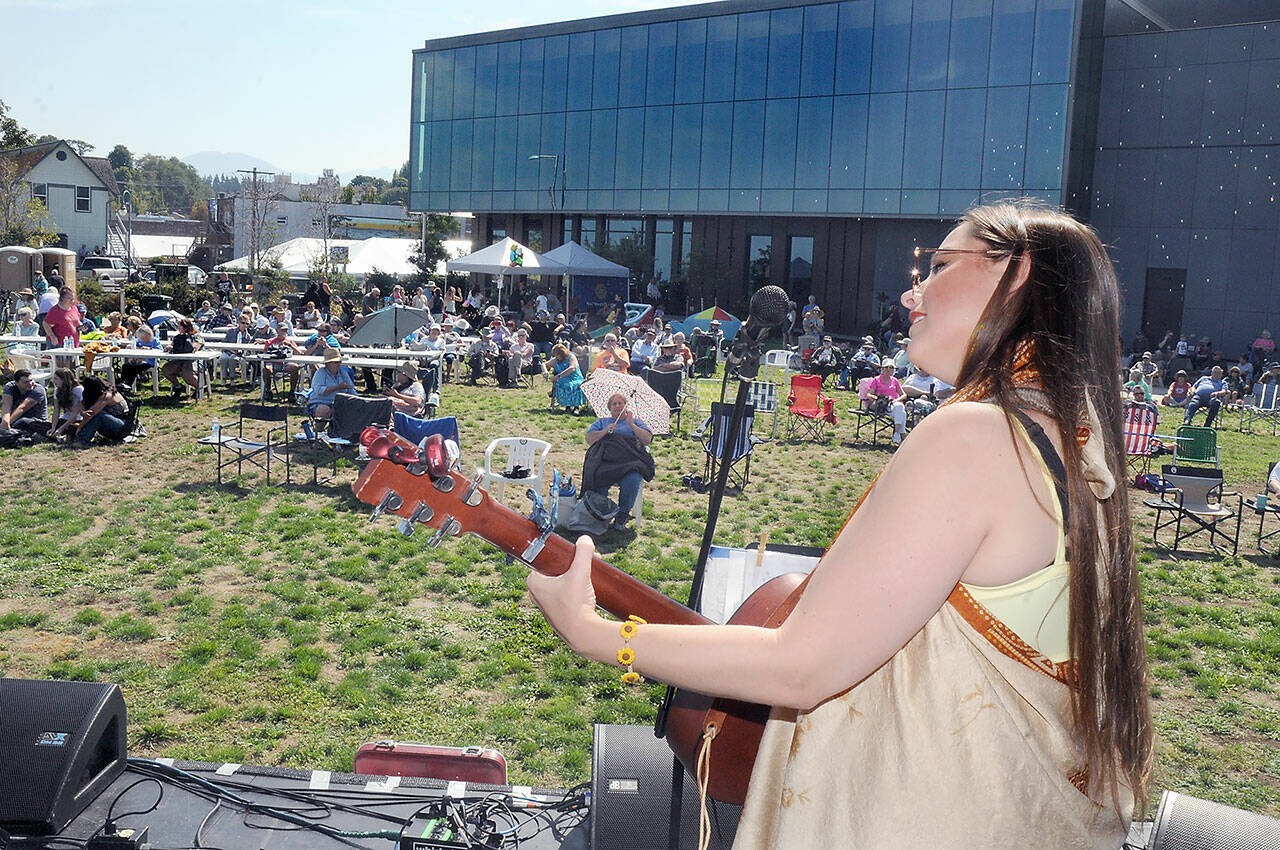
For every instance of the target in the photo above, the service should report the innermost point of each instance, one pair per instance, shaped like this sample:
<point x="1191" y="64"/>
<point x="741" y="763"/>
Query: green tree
<point x="397" y="192"/>
<point x="120" y="157"/>
<point x="80" y="146"/>
<point x="704" y="272"/>
<point x="430" y="252"/>
<point x="23" y="219"/>
<point x="630" y="251"/>
<point x="760" y="268"/>
<point x="163" y="184"/>
<point x="13" y="134"/>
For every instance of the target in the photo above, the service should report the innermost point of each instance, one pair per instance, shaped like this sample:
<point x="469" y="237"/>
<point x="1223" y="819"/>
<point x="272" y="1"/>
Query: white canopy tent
<point x="383" y="254"/>
<point x="577" y="260"/>
<point x="496" y="260"/>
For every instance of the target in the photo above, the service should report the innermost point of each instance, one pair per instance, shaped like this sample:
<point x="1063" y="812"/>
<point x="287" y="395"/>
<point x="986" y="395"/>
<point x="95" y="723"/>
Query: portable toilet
<point x="18" y="265"/>
<point x="61" y="259"/>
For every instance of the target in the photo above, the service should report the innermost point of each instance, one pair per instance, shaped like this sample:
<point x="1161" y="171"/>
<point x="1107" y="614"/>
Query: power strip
<point x="440" y="827"/>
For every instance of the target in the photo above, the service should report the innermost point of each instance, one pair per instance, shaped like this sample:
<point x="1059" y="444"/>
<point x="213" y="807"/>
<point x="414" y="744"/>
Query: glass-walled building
<point x="807" y="144"/>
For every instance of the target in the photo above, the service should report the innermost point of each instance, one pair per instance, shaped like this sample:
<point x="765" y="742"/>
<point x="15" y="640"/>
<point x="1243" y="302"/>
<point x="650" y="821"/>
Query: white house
<point x="76" y="189"/>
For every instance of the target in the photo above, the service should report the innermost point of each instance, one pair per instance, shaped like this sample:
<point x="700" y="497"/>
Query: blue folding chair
<point x="415" y="429"/>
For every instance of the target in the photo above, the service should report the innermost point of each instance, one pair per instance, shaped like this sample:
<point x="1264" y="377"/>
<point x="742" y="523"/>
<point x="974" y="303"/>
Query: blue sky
<point x="306" y="86"/>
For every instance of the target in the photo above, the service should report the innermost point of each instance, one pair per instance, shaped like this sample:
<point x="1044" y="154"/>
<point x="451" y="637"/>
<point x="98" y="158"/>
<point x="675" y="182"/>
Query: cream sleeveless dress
<point x="960" y="740"/>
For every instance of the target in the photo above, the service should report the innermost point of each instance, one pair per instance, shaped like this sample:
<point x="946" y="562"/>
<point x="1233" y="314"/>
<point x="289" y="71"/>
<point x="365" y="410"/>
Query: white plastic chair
<point x="526" y="452"/>
<point x="782" y="362"/>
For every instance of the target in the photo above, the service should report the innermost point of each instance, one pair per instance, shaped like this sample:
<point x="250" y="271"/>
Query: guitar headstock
<point x="419" y="484"/>
<point x="414" y="483"/>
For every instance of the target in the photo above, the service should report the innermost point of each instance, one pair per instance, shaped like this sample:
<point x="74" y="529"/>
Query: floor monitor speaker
<point x="631" y="803"/>
<point x="1186" y="823"/>
<point x="61" y="744"/>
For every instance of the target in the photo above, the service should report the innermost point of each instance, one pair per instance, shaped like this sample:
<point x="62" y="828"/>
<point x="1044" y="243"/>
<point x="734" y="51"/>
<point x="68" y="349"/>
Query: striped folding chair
<point x="718" y="453"/>
<point x="1139" y="434"/>
<point x="763" y="396"/>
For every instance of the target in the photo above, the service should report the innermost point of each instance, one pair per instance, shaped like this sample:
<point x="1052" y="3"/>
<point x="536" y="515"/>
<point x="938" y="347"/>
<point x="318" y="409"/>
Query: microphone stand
<point x="744" y="364"/>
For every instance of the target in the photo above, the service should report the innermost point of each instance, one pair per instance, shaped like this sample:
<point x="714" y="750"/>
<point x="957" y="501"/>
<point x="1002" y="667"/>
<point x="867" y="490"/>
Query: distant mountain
<point x="386" y="172"/>
<point x="217" y="162"/>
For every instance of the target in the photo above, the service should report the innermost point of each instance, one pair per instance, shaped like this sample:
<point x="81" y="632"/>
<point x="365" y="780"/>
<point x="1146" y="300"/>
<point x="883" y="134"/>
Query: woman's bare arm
<point x="874" y="590"/>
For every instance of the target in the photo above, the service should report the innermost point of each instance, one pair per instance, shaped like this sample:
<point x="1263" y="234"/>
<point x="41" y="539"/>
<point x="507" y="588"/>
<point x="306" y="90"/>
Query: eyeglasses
<point x="916" y="278"/>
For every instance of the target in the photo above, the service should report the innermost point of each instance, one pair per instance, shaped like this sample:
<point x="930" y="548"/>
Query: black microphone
<point x="769" y="307"/>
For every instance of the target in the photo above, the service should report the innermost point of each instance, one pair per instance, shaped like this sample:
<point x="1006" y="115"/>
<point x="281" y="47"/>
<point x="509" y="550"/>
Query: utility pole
<point x="255" y="226"/>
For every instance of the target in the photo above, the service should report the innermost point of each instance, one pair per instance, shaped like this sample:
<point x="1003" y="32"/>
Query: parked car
<point x="106" y="269"/>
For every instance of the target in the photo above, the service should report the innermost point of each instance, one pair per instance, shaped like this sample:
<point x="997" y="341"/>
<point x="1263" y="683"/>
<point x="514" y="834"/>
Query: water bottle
<point x="215" y="429"/>
<point x="66" y="342"/>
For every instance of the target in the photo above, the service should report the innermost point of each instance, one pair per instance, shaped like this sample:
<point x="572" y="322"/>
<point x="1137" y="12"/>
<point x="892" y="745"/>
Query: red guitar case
<point x="406" y="758"/>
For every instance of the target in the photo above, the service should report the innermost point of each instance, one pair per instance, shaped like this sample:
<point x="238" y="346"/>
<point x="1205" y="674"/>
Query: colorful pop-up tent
<point x="729" y="323"/>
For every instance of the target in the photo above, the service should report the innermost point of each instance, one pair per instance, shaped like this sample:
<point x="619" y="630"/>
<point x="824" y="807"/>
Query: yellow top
<point x="1036" y="606"/>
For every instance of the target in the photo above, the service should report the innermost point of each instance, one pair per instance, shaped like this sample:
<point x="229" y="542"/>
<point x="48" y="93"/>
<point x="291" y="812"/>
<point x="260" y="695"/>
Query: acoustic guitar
<point x="418" y="485"/>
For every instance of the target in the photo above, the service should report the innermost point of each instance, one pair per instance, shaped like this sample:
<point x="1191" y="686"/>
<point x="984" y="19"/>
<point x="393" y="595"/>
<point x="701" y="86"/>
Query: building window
<point x="759" y="261"/>
<point x="663" y="240"/>
<point x="800" y="267"/>
<point x="282" y="220"/>
<point x="83" y="203"/>
<point x="40" y="192"/>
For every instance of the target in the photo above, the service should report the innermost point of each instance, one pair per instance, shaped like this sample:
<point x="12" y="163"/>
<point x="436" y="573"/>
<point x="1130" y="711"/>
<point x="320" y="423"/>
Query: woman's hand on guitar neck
<point x="568" y="600"/>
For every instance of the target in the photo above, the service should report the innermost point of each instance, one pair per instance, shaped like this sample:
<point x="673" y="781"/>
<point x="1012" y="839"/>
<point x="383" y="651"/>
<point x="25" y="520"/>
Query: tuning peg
<point x="422" y="513"/>
<point x="391" y="501"/>
<point x="448" y="527"/>
<point x="473" y="487"/>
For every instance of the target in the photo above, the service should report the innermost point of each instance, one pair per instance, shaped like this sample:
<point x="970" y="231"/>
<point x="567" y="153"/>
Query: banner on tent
<point x="595" y="296"/>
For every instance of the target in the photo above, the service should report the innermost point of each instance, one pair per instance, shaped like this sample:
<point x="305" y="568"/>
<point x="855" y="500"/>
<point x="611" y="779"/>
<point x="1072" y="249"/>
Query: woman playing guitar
<point x="980" y="680"/>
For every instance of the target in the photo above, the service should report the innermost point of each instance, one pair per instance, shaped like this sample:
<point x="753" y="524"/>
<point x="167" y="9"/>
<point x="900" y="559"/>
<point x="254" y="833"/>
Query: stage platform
<point x="545" y="818"/>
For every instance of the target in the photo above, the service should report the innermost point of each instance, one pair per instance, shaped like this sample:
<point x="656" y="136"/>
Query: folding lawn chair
<point x="668" y="385"/>
<point x="1265" y="409"/>
<point x="763" y="396"/>
<point x="271" y="443"/>
<point x="879" y="422"/>
<point x="1196" y="444"/>
<point x="808" y="409"/>
<point x="1140" y="445"/>
<point x="1196" y="496"/>
<point x="714" y="445"/>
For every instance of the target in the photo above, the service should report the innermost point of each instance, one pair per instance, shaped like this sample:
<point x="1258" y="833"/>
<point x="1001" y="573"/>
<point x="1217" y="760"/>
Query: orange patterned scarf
<point x="1024" y="374"/>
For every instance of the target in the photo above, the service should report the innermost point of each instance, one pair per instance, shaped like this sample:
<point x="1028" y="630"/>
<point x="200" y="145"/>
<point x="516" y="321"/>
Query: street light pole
<point x="555" y="173"/>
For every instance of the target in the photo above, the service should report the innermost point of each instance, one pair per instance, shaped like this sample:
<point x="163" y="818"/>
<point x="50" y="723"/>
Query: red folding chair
<point x="808" y="409"/>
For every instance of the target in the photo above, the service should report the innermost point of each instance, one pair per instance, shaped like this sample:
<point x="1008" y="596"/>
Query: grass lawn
<point x="277" y="626"/>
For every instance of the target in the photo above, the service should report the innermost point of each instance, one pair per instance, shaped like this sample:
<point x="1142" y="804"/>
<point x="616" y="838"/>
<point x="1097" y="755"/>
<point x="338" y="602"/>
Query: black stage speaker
<point x="61" y="744"/>
<point x="631" y="795"/>
<point x="1185" y="823"/>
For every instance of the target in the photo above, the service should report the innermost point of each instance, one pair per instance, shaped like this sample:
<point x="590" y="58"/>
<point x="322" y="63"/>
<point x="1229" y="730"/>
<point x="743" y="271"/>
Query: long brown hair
<point x="1069" y="308"/>
<point x="66" y="381"/>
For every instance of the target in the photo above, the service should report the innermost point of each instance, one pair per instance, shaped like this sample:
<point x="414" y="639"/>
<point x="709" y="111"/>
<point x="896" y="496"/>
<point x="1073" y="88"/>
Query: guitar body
<point x="741" y="724"/>
<point x="453" y="505"/>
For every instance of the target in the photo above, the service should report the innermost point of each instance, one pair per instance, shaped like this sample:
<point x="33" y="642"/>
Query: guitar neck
<point x="616" y="592"/>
